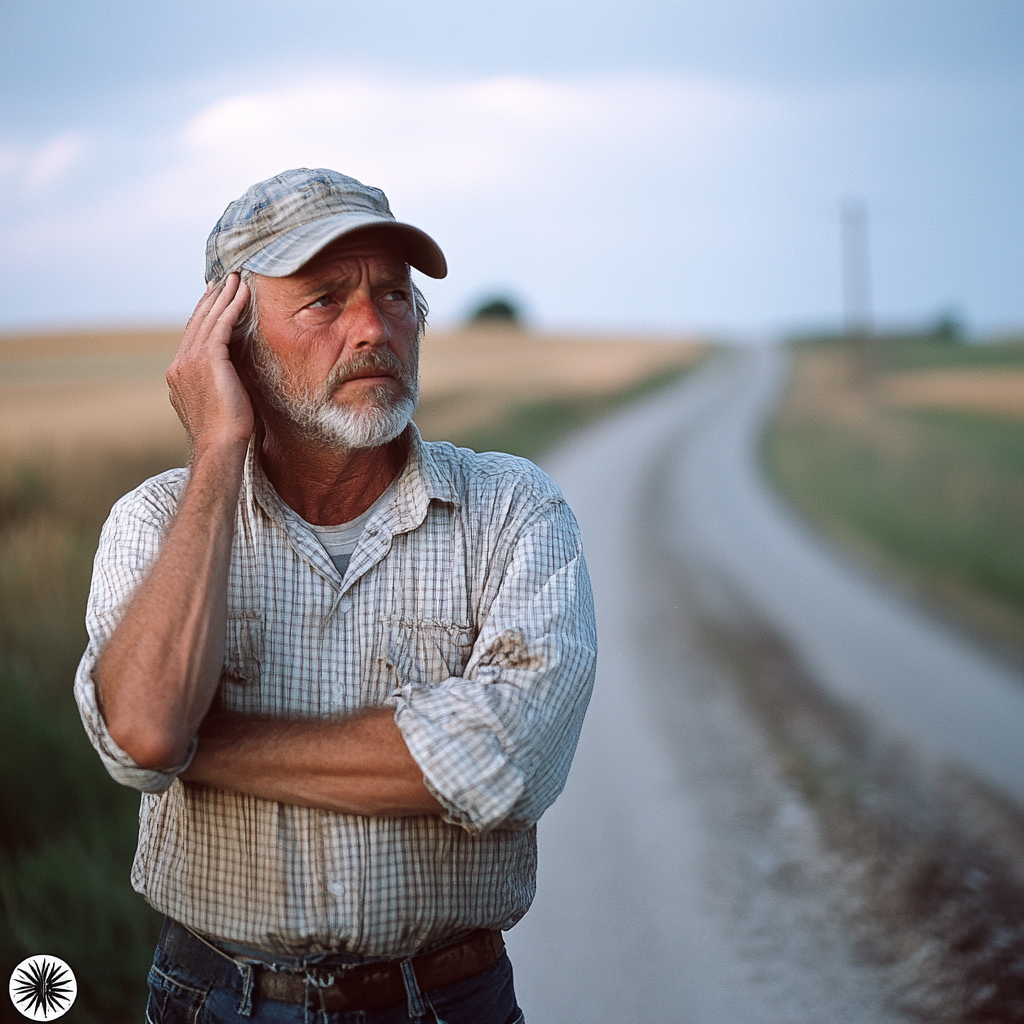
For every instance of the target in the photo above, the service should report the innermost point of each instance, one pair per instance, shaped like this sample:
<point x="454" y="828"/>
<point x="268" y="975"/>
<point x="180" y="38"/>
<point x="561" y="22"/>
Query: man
<point x="347" y="668"/>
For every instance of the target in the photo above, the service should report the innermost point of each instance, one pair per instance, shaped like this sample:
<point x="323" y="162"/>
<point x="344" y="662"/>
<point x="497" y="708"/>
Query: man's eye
<point x="397" y="295"/>
<point x="320" y="303"/>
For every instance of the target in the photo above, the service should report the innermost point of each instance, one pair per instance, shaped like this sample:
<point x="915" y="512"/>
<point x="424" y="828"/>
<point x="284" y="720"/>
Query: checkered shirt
<point x="466" y="607"/>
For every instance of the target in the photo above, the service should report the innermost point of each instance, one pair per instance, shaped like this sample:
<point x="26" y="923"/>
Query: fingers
<point x="213" y="290"/>
<point x="209" y="329"/>
<point x="216" y="313"/>
<point x="236" y="305"/>
<point x="205" y="389"/>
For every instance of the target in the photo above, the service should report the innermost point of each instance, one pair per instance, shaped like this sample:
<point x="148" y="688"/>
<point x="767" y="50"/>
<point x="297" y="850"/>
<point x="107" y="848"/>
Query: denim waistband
<point x="319" y="980"/>
<point x="220" y="956"/>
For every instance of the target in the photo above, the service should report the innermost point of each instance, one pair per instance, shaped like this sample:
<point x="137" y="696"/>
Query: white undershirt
<point x="341" y="540"/>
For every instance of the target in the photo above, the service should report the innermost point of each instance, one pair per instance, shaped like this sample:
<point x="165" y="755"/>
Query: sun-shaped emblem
<point x="43" y="988"/>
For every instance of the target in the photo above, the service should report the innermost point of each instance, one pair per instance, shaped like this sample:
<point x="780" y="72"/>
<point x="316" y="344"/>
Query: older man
<point x="347" y="668"/>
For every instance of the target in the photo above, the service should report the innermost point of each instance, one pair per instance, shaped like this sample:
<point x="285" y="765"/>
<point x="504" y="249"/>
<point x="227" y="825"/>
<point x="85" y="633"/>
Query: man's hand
<point x="159" y="671"/>
<point x="206" y="391"/>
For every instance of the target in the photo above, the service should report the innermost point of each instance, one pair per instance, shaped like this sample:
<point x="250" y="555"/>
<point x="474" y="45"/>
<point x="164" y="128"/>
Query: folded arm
<point x="357" y="765"/>
<point x="486" y="749"/>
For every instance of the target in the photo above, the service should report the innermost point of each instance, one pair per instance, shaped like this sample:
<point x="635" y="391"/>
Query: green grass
<point x="934" y="497"/>
<point x="930" y="354"/>
<point x="532" y="428"/>
<point x="69" y="831"/>
<point x="926" y="352"/>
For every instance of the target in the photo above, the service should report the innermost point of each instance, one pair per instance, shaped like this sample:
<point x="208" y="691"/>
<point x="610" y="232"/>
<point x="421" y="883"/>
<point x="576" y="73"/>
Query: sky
<point x="657" y="167"/>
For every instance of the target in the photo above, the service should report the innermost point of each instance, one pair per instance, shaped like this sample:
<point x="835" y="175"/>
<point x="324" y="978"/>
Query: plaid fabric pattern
<point x="466" y="606"/>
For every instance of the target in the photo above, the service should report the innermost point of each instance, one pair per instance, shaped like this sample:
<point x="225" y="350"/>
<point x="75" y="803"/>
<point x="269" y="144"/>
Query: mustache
<point x="363" y="362"/>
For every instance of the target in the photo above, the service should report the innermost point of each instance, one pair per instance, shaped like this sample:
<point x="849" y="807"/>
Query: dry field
<point x="931" y="500"/>
<point x="989" y="391"/>
<point x="60" y="393"/>
<point x="826" y="383"/>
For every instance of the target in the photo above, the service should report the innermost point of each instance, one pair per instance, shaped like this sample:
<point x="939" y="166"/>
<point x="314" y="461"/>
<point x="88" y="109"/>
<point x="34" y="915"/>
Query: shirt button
<point x="345" y="604"/>
<point x="337" y="888"/>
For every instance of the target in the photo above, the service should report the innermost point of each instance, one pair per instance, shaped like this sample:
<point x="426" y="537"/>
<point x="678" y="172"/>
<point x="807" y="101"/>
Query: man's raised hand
<point x="206" y="391"/>
<point x="160" y="668"/>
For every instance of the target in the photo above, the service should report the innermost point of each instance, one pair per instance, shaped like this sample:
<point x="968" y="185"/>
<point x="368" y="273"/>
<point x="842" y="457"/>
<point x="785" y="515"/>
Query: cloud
<point x="459" y="138"/>
<point x="580" y="192"/>
<point x="37" y="170"/>
<point x="443" y="147"/>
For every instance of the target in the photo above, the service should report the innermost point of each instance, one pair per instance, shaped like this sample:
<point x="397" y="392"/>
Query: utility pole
<point x="857" y="318"/>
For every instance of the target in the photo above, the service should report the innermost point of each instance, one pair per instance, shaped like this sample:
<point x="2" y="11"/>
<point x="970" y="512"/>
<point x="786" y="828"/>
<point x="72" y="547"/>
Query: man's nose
<point x="366" y="327"/>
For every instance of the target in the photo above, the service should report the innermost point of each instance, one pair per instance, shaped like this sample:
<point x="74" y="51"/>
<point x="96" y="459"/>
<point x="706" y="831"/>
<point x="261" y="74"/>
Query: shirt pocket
<point x="243" y="650"/>
<point x="422" y="652"/>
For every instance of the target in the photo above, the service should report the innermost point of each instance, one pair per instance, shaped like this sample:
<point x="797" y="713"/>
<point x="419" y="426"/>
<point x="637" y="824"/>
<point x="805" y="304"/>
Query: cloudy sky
<point x="652" y="166"/>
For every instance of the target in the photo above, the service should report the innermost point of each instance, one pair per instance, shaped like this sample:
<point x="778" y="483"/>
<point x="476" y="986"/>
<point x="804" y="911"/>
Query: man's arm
<point x="358" y="765"/>
<point x="486" y="749"/>
<point x="159" y="671"/>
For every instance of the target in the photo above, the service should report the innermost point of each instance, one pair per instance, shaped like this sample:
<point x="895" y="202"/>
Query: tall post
<point x="857" y="318"/>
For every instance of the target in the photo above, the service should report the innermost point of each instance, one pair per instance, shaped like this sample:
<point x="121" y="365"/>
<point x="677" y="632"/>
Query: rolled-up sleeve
<point x="129" y="543"/>
<point x="495" y="744"/>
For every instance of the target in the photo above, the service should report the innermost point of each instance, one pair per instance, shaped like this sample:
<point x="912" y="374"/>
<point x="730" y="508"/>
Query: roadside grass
<point x="921" y="352"/>
<point x="69" y="831"/>
<point x="927" y="352"/>
<point x="932" y="497"/>
<point x="531" y="428"/>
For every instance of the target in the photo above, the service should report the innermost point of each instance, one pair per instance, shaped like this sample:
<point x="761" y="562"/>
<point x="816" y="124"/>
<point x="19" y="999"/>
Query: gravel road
<point x="681" y="879"/>
<point x="909" y="672"/>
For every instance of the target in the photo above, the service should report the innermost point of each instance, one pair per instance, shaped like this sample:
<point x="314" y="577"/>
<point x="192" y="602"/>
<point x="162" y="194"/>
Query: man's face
<point x="337" y="349"/>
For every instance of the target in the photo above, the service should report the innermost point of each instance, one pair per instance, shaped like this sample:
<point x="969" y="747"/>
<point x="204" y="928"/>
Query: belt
<point x="371" y="987"/>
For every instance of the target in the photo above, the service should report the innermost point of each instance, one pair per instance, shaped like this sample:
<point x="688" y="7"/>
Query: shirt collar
<point x="423" y="479"/>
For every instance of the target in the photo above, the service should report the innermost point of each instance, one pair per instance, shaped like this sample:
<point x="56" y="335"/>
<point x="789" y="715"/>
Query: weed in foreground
<point x="69" y="831"/>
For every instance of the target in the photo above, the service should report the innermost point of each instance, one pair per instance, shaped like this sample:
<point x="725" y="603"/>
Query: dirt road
<point x="915" y="677"/>
<point x="680" y="878"/>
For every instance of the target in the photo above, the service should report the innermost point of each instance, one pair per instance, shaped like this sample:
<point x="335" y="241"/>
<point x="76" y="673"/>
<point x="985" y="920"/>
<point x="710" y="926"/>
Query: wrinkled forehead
<point x="348" y="253"/>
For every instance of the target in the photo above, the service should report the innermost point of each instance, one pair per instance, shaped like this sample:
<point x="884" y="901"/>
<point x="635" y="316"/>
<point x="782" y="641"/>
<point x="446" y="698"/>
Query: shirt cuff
<point x="465" y="767"/>
<point x="121" y="766"/>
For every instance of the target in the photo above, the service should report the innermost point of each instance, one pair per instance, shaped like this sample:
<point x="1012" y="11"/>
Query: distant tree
<point x="498" y="309"/>
<point x="948" y="327"/>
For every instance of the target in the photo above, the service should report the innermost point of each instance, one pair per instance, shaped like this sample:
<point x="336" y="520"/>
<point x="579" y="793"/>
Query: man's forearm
<point x="358" y="765"/>
<point x="158" y="673"/>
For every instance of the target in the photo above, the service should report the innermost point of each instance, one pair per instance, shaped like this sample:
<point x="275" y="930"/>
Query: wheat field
<point x="60" y="393"/>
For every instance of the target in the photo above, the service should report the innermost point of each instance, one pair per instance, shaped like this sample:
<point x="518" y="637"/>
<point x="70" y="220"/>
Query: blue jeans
<point x="216" y="991"/>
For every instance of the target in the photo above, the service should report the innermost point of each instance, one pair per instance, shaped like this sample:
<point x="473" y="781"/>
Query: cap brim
<point x="293" y="250"/>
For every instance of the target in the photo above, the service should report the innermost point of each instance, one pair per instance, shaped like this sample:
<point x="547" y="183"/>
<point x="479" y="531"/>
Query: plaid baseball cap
<point x="283" y="222"/>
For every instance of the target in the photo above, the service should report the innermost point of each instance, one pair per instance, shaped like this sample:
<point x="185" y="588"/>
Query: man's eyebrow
<point x="398" y="276"/>
<point x="324" y="286"/>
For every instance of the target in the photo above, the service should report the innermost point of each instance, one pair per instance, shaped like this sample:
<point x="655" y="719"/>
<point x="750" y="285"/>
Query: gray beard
<point x="321" y="420"/>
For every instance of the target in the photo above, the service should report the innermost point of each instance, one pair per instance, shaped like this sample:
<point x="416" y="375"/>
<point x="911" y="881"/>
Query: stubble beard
<point x="326" y="423"/>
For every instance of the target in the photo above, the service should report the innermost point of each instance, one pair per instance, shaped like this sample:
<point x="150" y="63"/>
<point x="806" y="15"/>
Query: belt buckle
<point x="321" y="977"/>
<point x="320" y="989"/>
